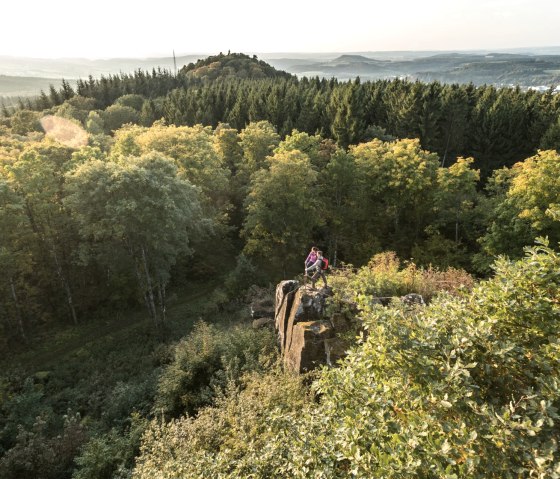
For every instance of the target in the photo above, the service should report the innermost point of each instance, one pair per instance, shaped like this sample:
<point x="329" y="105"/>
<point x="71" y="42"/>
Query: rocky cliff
<point x="307" y="335"/>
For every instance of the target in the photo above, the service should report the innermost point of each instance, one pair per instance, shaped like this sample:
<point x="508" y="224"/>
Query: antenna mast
<point x="174" y="62"/>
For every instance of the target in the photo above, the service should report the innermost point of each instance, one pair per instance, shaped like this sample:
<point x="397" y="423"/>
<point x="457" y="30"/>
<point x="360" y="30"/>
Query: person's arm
<point x="314" y="265"/>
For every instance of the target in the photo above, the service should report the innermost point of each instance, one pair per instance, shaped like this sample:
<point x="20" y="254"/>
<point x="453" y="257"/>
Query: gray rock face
<point x="412" y="299"/>
<point x="303" y="326"/>
<point x="307" y="349"/>
<point x="263" y="322"/>
<point x="285" y="293"/>
<point x="307" y="336"/>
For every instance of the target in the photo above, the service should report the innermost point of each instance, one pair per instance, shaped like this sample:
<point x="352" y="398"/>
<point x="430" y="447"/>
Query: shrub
<point x="467" y="387"/>
<point x="383" y="276"/>
<point x="111" y="456"/>
<point x="41" y="457"/>
<point x="207" y="359"/>
<point x="131" y="100"/>
<point x="224" y="440"/>
<point x="242" y="277"/>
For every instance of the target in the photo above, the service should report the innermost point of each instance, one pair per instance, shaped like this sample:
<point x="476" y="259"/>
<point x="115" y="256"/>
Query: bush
<point x="116" y="116"/>
<point x="467" y="387"/>
<point x="384" y="277"/>
<point x="205" y="361"/>
<point x="21" y="411"/>
<point x="111" y="456"/>
<point x="38" y="456"/>
<point x="224" y="440"/>
<point x="242" y="277"/>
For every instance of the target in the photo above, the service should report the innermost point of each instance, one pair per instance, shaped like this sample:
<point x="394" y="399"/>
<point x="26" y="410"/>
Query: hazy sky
<point x="113" y="28"/>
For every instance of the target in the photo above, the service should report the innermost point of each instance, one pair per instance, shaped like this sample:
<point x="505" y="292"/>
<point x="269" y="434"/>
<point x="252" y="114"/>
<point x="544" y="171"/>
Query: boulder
<point x="340" y="323"/>
<point x="263" y="322"/>
<point x="306" y="335"/>
<point x="307" y="348"/>
<point x="308" y="305"/>
<point x="335" y="349"/>
<point x="282" y="290"/>
<point x="413" y="299"/>
<point x="285" y="293"/>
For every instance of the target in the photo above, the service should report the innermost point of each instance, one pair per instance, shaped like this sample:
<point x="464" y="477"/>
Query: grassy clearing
<point x="122" y="330"/>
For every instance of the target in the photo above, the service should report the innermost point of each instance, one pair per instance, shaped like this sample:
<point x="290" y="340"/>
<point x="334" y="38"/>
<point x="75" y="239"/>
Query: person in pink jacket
<point x="317" y="270"/>
<point x="311" y="257"/>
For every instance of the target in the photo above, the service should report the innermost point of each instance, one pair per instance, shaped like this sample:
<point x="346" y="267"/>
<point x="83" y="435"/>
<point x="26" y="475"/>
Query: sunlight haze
<point x="63" y="28"/>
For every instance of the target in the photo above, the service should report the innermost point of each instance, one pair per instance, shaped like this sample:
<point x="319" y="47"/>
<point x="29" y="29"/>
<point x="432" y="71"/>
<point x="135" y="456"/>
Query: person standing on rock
<point x="309" y="261"/>
<point x="311" y="257"/>
<point x="317" y="270"/>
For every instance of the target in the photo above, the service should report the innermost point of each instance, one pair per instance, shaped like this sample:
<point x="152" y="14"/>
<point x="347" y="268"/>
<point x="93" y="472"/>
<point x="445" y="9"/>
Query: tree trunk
<point x="161" y="294"/>
<point x="19" y="314"/>
<point x="65" y="285"/>
<point x="149" y="288"/>
<point x="139" y="278"/>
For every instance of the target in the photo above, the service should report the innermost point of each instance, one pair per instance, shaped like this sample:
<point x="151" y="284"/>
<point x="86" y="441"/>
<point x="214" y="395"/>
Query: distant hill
<point x="74" y="68"/>
<point x="14" y="87"/>
<point x="448" y="67"/>
<point x="525" y="67"/>
<point x="232" y="64"/>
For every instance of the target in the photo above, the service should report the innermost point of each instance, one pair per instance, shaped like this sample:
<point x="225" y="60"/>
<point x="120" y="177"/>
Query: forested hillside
<point x="137" y="213"/>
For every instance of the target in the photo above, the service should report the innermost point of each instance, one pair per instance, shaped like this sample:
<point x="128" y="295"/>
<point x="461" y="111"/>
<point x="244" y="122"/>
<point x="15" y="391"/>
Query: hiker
<point x="317" y="269"/>
<point x="311" y="257"/>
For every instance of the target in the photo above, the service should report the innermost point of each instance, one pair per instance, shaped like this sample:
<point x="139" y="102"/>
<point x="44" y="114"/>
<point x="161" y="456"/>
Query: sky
<point x="124" y="28"/>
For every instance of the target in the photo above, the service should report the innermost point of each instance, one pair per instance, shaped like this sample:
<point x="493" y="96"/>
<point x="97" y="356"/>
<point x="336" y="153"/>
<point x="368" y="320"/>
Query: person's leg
<point x="315" y="277"/>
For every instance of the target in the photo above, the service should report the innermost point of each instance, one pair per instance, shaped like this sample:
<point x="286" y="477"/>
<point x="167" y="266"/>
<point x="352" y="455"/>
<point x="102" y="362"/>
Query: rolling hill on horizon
<point x="524" y="67"/>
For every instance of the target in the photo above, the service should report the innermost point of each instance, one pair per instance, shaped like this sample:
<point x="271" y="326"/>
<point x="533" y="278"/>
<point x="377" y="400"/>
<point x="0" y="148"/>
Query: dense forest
<point x="178" y="198"/>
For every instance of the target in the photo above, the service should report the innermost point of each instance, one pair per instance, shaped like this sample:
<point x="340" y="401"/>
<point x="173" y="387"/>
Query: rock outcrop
<point x="306" y="335"/>
<point x="309" y="337"/>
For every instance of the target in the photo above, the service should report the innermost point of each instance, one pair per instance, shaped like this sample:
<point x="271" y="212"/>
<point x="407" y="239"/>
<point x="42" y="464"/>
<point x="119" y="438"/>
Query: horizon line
<point x="333" y="52"/>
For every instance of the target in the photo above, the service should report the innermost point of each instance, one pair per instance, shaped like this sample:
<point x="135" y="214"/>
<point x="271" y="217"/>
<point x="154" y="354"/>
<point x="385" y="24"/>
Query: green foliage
<point x="206" y="361"/>
<point x="551" y="138"/>
<point x="94" y="123"/>
<point x="192" y="148"/>
<point x="231" y="65"/>
<point x="25" y="121"/>
<point x="391" y="197"/>
<point x="228" y="439"/>
<point x="39" y="456"/>
<point x="244" y="275"/>
<point x="129" y="206"/>
<point x="110" y="456"/>
<point x="468" y="386"/>
<point x="117" y="115"/>
<point x="131" y="100"/>
<point x="282" y="210"/>
<point x="21" y="411"/>
<point x="520" y="206"/>
<point x="130" y="217"/>
<point x="76" y="108"/>
<point x="257" y="141"/>
<point x="385" y="277"/>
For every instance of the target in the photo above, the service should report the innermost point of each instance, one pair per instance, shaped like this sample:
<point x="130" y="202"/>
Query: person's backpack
<point x="325" y="264"/>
